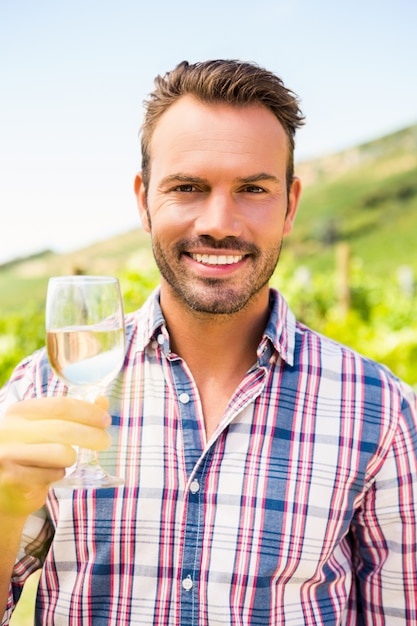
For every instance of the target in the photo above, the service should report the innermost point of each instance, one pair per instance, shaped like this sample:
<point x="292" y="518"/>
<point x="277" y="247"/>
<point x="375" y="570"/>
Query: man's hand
<point x="36" y="439"/>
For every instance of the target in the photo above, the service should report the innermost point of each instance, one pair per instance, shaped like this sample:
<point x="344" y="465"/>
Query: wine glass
<point x="85" y="339"/>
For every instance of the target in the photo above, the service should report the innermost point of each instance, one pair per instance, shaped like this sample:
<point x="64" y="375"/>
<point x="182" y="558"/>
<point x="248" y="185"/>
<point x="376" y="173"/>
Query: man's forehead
<point x="215" y="122"/>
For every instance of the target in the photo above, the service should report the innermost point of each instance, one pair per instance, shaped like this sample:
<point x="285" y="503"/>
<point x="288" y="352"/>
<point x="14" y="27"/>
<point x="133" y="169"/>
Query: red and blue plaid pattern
<point x="301" y="509"/>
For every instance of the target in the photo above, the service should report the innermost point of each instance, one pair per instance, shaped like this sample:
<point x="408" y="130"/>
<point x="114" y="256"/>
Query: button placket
<point x="192" y="542"/>
<point x="194" y="465"/>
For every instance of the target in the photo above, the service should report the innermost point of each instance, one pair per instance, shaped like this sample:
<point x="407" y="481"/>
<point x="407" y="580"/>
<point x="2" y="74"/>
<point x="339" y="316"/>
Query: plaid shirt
<point x="301" y="509"/>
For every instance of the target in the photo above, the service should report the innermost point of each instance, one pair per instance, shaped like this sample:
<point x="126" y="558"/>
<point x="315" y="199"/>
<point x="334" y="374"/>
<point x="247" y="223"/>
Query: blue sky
<point x="73" y="76"/>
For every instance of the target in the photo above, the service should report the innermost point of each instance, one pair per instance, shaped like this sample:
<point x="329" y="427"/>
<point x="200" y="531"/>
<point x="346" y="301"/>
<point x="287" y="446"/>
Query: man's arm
<point x="36" y="445"/>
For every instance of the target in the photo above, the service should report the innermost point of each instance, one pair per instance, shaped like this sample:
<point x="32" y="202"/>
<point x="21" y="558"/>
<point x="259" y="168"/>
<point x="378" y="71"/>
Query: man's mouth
<point x="217" y="259"/>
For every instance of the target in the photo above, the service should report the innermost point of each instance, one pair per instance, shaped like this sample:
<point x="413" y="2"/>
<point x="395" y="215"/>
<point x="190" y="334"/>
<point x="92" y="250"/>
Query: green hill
<point x="365" y="196"/>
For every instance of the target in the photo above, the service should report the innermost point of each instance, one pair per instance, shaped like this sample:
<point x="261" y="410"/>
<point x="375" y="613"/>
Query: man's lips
<point x="216" y="259"/>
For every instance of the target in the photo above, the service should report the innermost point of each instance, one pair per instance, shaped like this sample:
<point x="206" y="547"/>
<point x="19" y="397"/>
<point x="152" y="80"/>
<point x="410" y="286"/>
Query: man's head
<point x="229" y="82"/>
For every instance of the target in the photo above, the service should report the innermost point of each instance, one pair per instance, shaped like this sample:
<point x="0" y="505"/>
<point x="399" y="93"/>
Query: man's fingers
<point x="30" y="477"/>
<point x="42" y="456"/>
<point x="36" y="445"/>
<point x="62" y="408"/>
<point x="55" y="431"/>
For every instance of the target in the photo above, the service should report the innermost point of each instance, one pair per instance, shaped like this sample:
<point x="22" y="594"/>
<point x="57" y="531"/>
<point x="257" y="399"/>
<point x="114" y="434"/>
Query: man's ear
<point x="293" y="201"/>
<point x="140" y="194"/>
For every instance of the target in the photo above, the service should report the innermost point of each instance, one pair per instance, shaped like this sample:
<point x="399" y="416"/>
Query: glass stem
<point x="86" y="457"/>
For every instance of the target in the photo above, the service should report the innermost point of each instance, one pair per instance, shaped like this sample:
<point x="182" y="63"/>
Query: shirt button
<point x="184" y="398"/>
<point x="195" y="486"/>
<point x="187" y="583"/>
<point x="161" y="339"/>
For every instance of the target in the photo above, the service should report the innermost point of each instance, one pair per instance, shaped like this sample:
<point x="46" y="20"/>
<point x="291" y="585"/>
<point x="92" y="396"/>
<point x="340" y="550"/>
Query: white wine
<point x="84" y="356"/>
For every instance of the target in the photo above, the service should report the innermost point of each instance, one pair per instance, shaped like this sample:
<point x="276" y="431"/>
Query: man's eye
<point x="254" y="189"/>
<point x="184" y="188"/>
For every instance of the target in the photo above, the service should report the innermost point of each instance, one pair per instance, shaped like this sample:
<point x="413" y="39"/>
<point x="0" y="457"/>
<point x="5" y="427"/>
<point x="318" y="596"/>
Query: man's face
<point x="217" y="205"/>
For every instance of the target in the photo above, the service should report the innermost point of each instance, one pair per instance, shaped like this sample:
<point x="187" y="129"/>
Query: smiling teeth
<point x="214" y="259"/>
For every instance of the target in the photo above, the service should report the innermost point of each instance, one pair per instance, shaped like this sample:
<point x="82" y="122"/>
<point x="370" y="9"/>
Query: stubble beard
<point x="212" y="296"/>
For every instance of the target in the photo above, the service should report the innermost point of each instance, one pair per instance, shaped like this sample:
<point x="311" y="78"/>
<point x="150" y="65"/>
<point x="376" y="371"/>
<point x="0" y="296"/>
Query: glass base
<point x="90" y="476"/>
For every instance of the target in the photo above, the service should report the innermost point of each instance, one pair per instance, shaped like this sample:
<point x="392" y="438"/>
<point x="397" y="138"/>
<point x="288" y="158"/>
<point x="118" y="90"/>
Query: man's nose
<point x="219" y="217"/>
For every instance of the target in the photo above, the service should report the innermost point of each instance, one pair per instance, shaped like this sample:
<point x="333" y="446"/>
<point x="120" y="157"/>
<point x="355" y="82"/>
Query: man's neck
<point x="213" y="339"/>
<point x="218" y="350"/>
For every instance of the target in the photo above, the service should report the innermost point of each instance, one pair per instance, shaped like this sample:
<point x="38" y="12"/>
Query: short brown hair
<point x="231" y="82"/>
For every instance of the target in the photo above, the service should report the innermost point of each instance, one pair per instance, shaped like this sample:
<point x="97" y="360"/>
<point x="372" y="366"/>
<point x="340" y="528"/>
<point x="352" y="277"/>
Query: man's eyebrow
<point x="258" y="178"/>
<point x="181" y="177"/>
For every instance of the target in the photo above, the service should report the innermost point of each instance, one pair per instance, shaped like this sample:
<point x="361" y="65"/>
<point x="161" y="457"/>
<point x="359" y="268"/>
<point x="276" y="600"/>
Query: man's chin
<point x="226" y="303"/>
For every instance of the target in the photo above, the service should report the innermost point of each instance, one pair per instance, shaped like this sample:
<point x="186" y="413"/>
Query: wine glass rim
<point x="83" y="278"/>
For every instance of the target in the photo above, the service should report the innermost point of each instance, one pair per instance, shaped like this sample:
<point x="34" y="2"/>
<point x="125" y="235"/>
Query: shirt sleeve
<point x="384" y="531"/>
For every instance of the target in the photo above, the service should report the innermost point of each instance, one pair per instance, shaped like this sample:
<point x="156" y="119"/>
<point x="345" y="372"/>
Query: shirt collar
<point x="279" y="331"/>
<point x="149" y="320"/>
<point x="281" y="327"/>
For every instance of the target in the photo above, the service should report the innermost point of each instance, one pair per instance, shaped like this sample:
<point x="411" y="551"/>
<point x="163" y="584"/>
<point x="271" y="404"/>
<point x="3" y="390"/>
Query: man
<point x="270" y="472"/>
